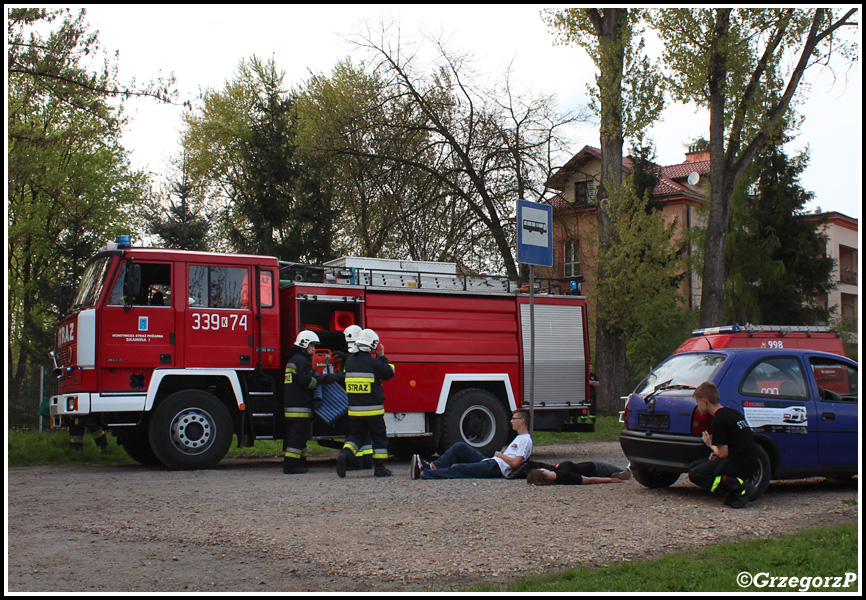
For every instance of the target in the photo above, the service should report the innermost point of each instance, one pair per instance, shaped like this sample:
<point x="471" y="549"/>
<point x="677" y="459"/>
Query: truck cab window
<point x="155" y="286"/>
<point x="218" y="287"/>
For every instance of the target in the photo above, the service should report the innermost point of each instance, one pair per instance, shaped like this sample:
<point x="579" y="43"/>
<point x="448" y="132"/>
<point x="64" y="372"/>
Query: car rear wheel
<point x="654" y="479"/>
<point x="761" y="478"/>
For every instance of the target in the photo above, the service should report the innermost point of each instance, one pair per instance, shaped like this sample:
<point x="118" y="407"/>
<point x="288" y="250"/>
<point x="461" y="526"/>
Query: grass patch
<point x="607" y="429"/>
<point x="822" y="552"/>
<point x="28" y="448"/>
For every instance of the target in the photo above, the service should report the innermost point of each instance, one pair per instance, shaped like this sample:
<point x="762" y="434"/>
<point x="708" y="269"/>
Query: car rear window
<point x="685" y="370"/>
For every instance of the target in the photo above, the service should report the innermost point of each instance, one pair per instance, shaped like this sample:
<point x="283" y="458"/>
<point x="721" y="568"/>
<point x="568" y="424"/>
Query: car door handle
<point x="828" y="416"/>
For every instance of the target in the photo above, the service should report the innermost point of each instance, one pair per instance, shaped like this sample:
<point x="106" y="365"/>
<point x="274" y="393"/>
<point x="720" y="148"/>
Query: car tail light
<point x="625" y="416"/>
<point x="700" y="422"/>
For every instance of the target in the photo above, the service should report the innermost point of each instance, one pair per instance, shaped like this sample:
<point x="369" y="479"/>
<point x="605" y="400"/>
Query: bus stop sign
<point x="534" y="233"/>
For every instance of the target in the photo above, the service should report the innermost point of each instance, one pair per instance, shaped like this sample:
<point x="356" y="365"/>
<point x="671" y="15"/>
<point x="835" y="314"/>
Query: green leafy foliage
<point x="241" y="147"/>
<point x="777" y="270"/>
<point x="70" y="187"/>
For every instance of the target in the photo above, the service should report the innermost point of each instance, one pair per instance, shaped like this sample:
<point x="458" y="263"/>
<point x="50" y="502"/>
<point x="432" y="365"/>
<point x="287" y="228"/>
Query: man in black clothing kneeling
<point x="734" y="457"/>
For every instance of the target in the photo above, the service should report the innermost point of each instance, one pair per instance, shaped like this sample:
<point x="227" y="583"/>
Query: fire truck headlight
<point x="72" y="404"/>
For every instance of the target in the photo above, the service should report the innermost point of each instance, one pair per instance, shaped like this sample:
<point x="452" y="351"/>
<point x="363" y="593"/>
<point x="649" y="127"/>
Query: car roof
<point x="769" y="352"/>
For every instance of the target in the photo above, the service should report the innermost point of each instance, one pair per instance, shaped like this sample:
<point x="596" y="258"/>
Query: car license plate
<point x="653" y="421"/>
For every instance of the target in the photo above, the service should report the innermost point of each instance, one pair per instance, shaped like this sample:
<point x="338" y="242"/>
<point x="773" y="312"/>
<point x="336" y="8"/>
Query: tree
<point x="54" y="64"/>
<point x="732" y="61"/>
<point x="626" y="106"/>
<point x="177" y="215"/>
<point x="70" y="187"/>
<point x="241" y="146"/>
<point x="382" y="208"/>
<point x="776" y="255"/>
<point x="484" y="147"/>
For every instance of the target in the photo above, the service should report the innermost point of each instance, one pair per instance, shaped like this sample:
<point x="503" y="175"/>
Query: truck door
<point x="837" y="403"/>
<point x="137" y="334"/>
<point x="219" y="326"/>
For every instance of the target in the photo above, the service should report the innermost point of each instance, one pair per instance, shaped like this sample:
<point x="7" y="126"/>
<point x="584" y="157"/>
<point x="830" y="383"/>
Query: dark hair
<point x="536" y="477"/>
<point x="522" y="414"/>
<point x="707" y="391"/>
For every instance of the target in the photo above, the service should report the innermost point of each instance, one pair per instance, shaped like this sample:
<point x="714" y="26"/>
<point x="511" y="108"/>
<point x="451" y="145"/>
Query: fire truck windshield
<point x="91" y="283"/>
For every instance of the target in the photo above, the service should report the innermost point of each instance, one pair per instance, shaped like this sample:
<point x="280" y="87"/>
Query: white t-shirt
<point x="519" y="446"/>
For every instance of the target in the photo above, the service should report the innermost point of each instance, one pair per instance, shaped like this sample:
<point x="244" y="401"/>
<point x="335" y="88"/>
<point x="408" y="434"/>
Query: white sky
<point x="203" y="44"/>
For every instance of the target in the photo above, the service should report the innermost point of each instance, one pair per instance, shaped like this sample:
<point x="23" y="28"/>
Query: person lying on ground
<point x="582" y="473"/>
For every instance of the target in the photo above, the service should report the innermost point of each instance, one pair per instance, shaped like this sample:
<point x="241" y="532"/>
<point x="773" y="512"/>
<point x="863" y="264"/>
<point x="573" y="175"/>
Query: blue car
<point x="801" y="405"/>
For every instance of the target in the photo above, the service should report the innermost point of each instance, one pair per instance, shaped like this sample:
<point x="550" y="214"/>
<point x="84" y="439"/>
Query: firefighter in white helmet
<point x="364" y="375"/>
<point x="299" y="382"/>
<point x="351" y="334"/>
<point x="364" y="458"/>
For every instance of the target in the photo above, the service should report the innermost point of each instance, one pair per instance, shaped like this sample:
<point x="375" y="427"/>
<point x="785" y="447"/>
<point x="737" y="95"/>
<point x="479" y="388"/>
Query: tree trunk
<point x="712" y="284"/>
<point x="610" y="343"/>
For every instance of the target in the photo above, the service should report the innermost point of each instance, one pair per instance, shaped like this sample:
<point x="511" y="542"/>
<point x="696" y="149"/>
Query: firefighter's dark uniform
<point x="76" y="433"/>
<point x="363" y="378"/>
<point x="300" y="381"/>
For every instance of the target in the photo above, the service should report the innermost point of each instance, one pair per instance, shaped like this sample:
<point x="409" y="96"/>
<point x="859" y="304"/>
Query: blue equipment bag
<point x="334" y="402"/>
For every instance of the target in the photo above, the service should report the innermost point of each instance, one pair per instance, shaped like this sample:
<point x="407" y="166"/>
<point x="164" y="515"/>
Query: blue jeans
<point x="462" y="461"/>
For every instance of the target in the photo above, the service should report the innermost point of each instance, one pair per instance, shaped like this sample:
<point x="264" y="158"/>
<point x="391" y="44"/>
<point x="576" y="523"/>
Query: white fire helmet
<point x="305" y="338"/>
<point x="351" y="334"/>
<point x="367" y="340"/>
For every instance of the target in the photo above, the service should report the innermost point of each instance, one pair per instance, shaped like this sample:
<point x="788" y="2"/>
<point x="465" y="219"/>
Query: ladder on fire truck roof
<point x="379" y="277"/>
<point x="425" y="275"/>
<point x="749" y="328"/>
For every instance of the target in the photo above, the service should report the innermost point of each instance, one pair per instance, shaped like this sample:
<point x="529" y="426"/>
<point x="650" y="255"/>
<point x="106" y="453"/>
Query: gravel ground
<point x="246" y="527"/>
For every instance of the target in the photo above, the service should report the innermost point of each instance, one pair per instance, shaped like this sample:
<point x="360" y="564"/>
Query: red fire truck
<point x="177" y="352"/>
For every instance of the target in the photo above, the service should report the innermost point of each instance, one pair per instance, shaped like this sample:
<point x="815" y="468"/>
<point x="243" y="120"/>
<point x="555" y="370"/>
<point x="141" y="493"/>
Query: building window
<point x="571" y="258"/>
<point x="584" y="192"/>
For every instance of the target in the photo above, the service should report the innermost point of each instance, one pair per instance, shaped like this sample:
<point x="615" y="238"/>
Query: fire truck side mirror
<point x="65" y="298"/>
<point x="131" y="284"/>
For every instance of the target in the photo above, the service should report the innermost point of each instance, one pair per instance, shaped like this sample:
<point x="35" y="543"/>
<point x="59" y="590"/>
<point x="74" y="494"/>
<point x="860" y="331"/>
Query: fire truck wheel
<point x="137" y="446"/>
<point x="191" y="429"/>
<point x="477" y="418"/>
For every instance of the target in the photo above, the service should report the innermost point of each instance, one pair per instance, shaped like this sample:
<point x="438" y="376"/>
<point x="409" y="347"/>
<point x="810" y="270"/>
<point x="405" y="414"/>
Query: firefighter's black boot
<point x="343" y="462"/>
<point x="292" y="465"/>
<point x="380" y="470"/>
<point x="102" y="441"/>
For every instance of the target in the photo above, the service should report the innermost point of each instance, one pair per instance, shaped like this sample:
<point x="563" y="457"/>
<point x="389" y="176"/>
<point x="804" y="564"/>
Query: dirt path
<point x="246" y="527"/>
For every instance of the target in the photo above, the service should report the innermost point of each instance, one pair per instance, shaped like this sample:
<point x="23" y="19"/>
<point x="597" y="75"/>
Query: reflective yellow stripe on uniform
<point x="298" y="412"/>
<point x="359" y="383"/>
<point x="366" y="411"/>
<point x="294" y="453"/>
<point x="291" y="371"/>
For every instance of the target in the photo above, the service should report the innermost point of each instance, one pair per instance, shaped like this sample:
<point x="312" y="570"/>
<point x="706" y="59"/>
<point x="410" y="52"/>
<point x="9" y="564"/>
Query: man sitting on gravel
<point x="462" y="461"/>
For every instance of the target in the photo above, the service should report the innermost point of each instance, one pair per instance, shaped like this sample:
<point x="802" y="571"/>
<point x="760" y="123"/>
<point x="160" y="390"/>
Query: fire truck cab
<point x="178" y="352"/>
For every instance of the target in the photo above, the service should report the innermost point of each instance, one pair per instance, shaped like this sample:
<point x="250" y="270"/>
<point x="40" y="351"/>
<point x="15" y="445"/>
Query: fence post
<point x="41" y="392"/>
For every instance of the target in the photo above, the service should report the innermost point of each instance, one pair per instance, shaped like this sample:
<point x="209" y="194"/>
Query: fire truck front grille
<point x="64" y="357"/>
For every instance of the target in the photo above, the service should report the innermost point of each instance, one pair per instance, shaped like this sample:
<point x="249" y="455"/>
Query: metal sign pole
<point x="531" y="349"/>
<point x="534" y="247"/>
